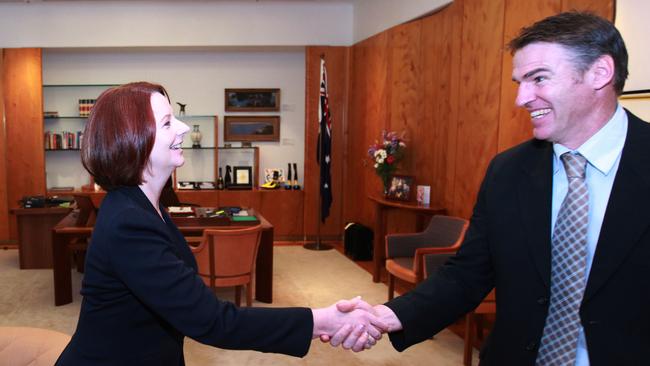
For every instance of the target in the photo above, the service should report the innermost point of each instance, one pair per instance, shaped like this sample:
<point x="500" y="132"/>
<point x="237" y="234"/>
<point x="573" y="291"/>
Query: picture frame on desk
<point x="400" y="187"/>
<point x="242" y="177"/>
<point x="251" y="128"/>
<point x="252" y="100"/>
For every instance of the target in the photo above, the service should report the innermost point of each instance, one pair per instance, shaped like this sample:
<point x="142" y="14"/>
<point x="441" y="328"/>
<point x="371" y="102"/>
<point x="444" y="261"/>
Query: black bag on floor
<point x="357" y="241"/>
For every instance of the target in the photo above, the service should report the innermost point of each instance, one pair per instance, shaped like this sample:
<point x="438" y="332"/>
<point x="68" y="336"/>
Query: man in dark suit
<point x="559" y="228"/>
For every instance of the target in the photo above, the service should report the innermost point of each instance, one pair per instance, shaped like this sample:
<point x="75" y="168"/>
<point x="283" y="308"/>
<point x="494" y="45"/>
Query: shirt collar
<point x="604" y="147"/>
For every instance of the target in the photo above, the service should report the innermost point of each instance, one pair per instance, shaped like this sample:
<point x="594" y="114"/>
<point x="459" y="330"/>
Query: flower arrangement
<point x="385" y="155"/>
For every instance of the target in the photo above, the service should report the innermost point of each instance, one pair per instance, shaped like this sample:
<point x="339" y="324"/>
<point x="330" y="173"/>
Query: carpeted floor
<point x="301" y="278"/>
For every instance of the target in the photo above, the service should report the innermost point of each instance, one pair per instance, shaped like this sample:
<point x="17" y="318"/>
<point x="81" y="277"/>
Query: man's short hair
<point x="587" y="35"/>
<point x="120" y="135"/>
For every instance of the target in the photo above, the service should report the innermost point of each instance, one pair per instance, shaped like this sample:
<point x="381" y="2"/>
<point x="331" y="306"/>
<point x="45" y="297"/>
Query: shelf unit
<point x="200" y="163"/>
<point x="63" y="167"/>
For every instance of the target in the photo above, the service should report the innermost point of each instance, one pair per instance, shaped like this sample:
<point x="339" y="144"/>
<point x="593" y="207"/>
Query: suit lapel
<point x="534" y="195"/>
<point x="624" y="220"/>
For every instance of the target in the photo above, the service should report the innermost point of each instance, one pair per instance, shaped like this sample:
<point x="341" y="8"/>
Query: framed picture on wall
<point x="400" y="188"/>
<point x="252" y="100"/>
<point x="242" y="177"/>
<point x="251" y="128"/>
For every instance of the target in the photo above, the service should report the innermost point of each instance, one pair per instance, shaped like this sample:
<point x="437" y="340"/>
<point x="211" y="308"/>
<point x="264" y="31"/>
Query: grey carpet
<point x="301" y="278"/>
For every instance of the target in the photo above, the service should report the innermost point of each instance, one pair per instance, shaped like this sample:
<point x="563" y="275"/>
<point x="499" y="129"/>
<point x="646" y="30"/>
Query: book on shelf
<point x="85" y="105"/>
<point x="63" y="141"/>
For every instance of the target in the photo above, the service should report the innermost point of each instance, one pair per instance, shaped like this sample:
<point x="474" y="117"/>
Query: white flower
<point x="380" y="156"/>
<point x="376" y="165"/>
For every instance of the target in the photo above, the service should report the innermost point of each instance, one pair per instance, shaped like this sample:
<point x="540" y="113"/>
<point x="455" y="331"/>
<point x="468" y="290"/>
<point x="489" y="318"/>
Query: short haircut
<point x="120" y="135"/>
<point x="587" y="35"/>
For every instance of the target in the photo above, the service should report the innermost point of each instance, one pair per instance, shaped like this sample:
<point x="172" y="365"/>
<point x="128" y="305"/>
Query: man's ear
<point x="602" y="72"/>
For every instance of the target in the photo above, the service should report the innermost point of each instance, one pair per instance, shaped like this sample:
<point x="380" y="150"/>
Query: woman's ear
<point x="602" y="72"/>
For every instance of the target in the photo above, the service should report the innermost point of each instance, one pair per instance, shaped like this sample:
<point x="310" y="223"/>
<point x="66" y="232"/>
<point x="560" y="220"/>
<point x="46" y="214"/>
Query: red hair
<point x="120" y="134"/>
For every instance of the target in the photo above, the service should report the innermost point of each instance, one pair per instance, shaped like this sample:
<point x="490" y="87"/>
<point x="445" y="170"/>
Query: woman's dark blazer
<point x="142" y="295"/>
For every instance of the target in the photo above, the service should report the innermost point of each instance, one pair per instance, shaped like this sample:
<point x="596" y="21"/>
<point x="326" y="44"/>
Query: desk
<point x="381" y="206"/>
<point x="64" y="231"/>
<point x="34" y="239"/>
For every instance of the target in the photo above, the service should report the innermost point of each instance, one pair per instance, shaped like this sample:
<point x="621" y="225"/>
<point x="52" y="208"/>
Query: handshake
<point x="354" y="324"/>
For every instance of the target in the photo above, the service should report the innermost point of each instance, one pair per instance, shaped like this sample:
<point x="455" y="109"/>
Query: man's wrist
<point x="389" y="318"/>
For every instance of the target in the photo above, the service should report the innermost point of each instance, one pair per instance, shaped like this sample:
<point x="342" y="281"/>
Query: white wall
<point x="632" y="22"/>
<point x="374" y="16"/>
<point x="178" y="23"/>
<point x="198" y="78"/>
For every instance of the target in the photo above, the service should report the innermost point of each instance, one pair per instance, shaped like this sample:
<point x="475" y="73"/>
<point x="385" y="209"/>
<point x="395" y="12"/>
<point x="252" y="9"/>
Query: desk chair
<point x="226" y="258"/>
<point x="404" y="252"/>
<point x="86" y="216"/>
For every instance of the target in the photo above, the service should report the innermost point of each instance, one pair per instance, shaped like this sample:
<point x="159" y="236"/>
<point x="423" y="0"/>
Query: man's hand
<point x="384" y="314"/>
<point x="356" y="328"/>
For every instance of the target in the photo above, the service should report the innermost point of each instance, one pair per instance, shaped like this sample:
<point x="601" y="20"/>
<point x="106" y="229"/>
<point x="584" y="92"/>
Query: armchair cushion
<point x="22" y="346"/>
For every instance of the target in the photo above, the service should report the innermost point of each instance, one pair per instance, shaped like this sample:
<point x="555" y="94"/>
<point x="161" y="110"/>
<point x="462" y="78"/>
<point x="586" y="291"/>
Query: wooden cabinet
<point x="35" y="235"/>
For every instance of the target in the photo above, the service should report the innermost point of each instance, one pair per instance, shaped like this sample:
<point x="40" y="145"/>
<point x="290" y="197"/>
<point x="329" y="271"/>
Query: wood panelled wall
<point x="4" y="209"/>
<point x="443" y="79"/>
<point x="446" y="80"/>
<point x="23" y="96"/>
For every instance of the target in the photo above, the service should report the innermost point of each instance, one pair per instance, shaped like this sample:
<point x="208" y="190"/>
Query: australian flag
<point x="324" y="145"/>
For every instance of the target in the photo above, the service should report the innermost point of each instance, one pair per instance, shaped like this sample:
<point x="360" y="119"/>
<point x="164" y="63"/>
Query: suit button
<point x="542" y="301"/>
<point x="531" y="346"/>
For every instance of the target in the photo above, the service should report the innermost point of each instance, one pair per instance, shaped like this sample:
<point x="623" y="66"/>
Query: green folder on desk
<point x="244" y="218"/>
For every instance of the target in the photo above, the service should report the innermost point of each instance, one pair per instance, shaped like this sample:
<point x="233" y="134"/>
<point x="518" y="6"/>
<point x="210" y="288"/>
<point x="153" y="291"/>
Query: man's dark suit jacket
<point x="141" y="296"/>
<point x="508" y="247"/>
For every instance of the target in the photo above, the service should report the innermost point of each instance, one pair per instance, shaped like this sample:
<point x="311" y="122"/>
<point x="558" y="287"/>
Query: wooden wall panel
<point x="514" y="122"/>
<point x="604" y="8"/>
<point x="24" y="125"/>
<point x="368" y="116"/>
<point x="405" y="96"/>
<point x="337" y="64"/>
<point x="478" y="114"/>
<point x="4" y="208"/>
<point x="440" y="73"/>
<point x="405" y="104"/>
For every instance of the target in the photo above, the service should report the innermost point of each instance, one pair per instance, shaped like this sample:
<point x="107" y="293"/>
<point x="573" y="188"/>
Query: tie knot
<point x="574" y="164"/>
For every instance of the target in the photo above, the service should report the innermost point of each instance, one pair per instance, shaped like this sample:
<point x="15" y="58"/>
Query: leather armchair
<point x="405" y="252"/>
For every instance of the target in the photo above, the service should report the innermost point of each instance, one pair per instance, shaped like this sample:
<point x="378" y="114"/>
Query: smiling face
<point x="167" y="153"/>
<point x="559" y="98"/>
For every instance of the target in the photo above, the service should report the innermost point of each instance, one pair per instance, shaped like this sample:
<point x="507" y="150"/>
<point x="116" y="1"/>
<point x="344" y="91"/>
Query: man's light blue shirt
<point x="603" y="153"/>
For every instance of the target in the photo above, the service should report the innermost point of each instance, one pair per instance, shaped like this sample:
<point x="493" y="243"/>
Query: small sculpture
<point x="196" y="136"/>
<point x="182" y="111"/>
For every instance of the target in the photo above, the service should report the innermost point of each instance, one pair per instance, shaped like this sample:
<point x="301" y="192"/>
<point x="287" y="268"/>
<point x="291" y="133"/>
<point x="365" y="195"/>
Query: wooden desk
<point x="63" y="232"/>
<point x="381" y="206"/>
<point x="34" y="239"/>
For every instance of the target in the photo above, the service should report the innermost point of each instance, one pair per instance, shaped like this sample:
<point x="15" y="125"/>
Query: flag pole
<point x="317" y="244"/>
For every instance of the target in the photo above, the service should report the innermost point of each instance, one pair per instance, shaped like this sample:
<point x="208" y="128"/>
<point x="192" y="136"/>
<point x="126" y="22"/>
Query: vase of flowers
<point x="385" y="154"/>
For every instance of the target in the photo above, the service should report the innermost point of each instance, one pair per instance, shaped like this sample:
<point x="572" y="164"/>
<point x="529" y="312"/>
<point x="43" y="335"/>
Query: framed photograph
<point x="400" y="187"/>
<point x="242" y="177"/>
<point x="252" y="100"/>
<point x="251" y="128"/>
